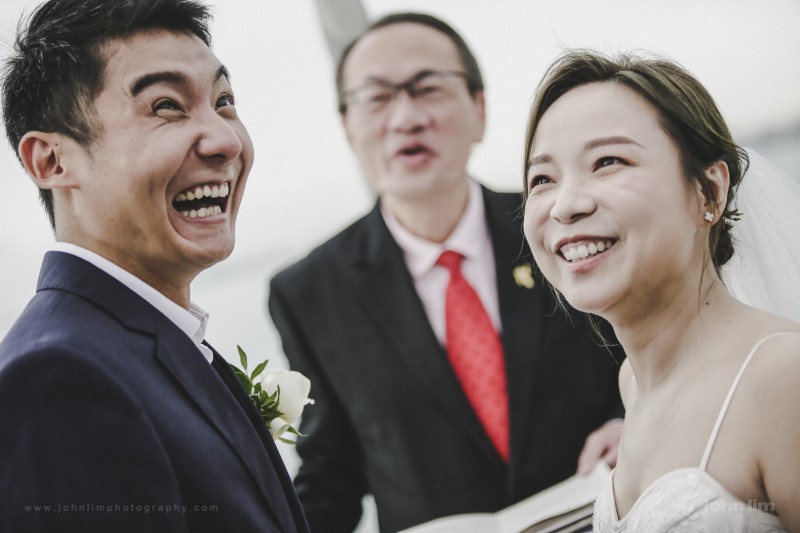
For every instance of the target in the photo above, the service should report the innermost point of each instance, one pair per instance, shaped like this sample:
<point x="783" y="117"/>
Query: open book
<point x="564" y="507"/>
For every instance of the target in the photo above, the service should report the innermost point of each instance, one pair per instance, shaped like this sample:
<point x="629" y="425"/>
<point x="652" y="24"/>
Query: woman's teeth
<point x="573" y="252"/>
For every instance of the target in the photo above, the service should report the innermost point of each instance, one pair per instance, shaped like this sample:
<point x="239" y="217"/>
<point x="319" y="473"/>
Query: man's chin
<point x="210" y="258"/>
<point x="207" y="253"/>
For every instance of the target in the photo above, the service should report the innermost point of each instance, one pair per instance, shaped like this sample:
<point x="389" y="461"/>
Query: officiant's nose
<point x="407" y="115"/>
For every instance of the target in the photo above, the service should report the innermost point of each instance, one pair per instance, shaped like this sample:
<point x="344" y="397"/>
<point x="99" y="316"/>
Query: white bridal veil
<point x="765" y="269"/>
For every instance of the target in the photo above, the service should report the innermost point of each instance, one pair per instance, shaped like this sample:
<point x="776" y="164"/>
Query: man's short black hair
<point x="58" y="64"/>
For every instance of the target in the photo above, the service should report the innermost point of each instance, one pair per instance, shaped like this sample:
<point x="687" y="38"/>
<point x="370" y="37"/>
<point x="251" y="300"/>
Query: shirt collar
<point x="193" y="321"/>
<point x="421" y="254"/>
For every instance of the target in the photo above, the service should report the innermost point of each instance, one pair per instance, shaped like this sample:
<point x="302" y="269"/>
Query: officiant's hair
<point x="468" y="61"/>
<point x="58" y="62"/>
<point x="687" y="113"/>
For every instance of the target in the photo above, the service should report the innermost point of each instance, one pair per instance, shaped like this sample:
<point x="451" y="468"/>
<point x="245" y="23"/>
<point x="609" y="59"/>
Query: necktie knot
<point x="450" y="260"/>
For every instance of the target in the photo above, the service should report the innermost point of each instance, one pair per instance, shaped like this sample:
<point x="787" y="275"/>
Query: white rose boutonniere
<point x="279" y="395"/>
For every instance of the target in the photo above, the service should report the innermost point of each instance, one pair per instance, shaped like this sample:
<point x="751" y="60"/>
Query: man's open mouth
<point x="202" y="201"/>
<point x="413" y="149"/>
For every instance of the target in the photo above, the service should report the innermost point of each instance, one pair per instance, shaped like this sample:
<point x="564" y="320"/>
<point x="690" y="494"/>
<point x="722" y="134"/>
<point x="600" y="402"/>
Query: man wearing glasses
<point x="446" y="379"/>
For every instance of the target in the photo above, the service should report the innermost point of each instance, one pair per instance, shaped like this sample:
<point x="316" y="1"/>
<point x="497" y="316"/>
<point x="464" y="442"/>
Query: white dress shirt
<point x="471" y="239"/>
<point x="193" y="322"/>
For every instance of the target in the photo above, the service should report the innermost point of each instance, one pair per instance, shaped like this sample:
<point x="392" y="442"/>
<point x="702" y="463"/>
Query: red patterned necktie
<point x="476" y="354"/>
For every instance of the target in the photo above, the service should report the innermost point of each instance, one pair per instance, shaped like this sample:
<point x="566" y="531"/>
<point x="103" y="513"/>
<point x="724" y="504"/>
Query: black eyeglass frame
<point x="396" y="88"/>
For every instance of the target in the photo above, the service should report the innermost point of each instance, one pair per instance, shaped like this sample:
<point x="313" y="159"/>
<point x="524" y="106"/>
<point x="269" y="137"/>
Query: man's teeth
<point x="206" y="191"/>
<point x="576" y="253"/>
<point x="202" y="212"/>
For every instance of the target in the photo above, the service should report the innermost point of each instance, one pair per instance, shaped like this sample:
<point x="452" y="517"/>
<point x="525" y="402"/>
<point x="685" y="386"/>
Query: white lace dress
<point x="689" y="499"/>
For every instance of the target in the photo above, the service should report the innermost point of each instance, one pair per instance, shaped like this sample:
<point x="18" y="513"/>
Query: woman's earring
<point x="709" y="216"/>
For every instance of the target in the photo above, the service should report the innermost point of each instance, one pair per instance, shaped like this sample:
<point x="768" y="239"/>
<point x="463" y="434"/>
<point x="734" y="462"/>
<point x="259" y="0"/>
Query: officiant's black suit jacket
<point x="390" y="417"/>
<point x="110" y="415"/>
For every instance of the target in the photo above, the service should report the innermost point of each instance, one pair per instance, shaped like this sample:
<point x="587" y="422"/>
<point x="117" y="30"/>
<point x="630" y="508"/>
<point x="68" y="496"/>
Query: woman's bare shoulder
<point x="769" y="385"/>
<point x="775" y="340"/>
<point x="773" y="404"/>
<point x="776" y="357"/>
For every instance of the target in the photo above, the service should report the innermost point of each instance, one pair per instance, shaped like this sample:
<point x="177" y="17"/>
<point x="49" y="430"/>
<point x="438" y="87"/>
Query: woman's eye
<point x="607" y="161"/>
<point x="225" y="100"/>
<point x="539" y="180"/>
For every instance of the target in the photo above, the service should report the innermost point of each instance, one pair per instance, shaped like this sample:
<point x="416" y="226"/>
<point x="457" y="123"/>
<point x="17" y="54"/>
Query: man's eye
<point x="166" y="105"/>
<point x="225" y="100"/>
<point x="379" y="97"/>
<point x="427" y="90"/>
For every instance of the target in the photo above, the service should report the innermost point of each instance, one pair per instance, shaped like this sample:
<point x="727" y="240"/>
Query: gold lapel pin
<point x="523" y="275"/>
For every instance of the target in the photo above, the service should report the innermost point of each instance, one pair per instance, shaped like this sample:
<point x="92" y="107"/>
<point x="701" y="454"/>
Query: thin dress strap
<point x="714" y="432"/>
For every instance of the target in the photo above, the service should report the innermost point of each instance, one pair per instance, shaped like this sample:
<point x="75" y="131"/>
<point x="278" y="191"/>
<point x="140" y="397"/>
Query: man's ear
<point x="720" y="179"/>
<point x="346" y="128"/>
<point x="480" y="105"/>
<point x="42" y="156"/>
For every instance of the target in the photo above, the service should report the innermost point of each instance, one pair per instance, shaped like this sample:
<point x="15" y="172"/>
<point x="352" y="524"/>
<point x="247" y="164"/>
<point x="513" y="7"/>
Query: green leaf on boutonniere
<point x="258" y="370"/>
<point x="244" y="379"/>
<point x="242" y="357"/>
<point x="269" y="403"/>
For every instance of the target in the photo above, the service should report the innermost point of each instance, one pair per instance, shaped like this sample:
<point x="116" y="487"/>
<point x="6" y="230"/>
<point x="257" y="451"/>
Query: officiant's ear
<point x="42" y="155"/>
<point x="719" y="178"/>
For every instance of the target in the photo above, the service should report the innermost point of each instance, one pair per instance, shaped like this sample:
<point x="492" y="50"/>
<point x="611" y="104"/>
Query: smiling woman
<point x="630" y="186"/>
<point x="630" y="175"/>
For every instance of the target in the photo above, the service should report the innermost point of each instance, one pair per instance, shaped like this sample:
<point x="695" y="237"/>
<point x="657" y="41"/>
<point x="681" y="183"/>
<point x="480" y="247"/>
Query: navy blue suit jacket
<point x="390" y="416"/>
<point x="112" y="420"/>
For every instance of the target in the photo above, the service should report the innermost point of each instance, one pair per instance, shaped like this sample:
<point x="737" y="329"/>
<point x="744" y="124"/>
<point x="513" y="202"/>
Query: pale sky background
<point x="305" y="185"/>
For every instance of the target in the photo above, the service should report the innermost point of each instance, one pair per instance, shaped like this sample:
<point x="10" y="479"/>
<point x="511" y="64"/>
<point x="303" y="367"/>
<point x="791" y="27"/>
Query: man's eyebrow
<point x="422" y="74"/>
<point x="222" y="72"/>
<point x="173" y="77"/>
<point x="152" y="78"/>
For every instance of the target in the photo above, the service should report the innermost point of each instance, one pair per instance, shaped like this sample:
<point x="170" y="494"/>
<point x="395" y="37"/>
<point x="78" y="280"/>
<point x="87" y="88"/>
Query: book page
<point x="573" y="493"/>
<point x="566" y="506"/>
<point x="463" y="523"/>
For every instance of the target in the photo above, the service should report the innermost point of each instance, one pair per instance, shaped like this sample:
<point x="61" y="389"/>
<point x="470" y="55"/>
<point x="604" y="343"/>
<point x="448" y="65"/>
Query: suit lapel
<point x="518" y="305"/>
<point x="232" y="382"/>
<point x="182" y="359"/>
<point x="386" y="290"/>
<point x="215" y="398"/>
